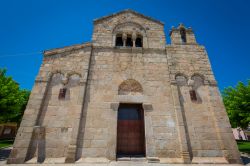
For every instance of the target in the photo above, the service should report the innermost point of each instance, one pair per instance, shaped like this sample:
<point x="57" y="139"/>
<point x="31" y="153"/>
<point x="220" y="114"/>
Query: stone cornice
<point x="50" y="53"/>
<point x="127" y="11"/>
<point x="129" y="49"/>
<point x="66" y="49"/>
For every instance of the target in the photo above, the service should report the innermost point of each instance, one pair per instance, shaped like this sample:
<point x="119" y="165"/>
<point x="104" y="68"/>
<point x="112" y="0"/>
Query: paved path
<point x="4" y="153"/>
<point x="124" y="163"/>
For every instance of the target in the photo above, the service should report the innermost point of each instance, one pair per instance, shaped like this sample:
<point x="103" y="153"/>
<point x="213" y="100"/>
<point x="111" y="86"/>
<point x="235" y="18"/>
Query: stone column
<point x="72" y="148"/>
<point x="222" y="125"/>
<point x="185" y="154"/>
<point x="24" y="137"/>
<point x="124" y="39"/>
<point x="134" y="38"/>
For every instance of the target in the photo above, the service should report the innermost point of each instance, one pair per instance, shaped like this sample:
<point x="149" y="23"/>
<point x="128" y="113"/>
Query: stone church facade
<point x="127" y="94"/>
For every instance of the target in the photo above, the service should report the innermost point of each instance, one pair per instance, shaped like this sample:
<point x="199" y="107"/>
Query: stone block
<point x="98" y="143"/>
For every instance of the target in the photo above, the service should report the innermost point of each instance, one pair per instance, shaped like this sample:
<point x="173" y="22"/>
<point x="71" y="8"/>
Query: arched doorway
<point x="130" y="131"/>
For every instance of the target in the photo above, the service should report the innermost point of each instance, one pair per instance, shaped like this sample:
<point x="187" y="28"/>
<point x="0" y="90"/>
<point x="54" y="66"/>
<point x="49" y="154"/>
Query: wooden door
<point x="130" y="130"/>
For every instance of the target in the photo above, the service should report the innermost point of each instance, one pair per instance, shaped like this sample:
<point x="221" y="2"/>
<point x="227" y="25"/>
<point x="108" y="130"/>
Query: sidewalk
<point x="4" y="153"/>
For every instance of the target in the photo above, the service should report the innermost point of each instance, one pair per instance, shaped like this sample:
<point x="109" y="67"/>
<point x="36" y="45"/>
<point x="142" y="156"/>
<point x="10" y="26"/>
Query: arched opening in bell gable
<point x="129" y="34"/>
<point x="129" y="42"/>
<point x="183" y="35"/>
<point x="138" y="41"/>
<point x="118" y="41"/>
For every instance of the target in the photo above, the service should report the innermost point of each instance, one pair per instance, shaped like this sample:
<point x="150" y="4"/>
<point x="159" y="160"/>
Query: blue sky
<point x="28" y="27"/>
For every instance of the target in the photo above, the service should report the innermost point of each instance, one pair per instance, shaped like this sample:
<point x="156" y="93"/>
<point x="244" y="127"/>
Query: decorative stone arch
<point x="130" y="28"/>
<point x="66" y="75"/>
<point x="198" y="80"/>
<point x="69" y="74"/>
<point x="181" y="79"/>
<point x="198" y="75"/>
<point x="120" y="26"/>
<point x="129" y="86"/>
<point x="52" y="73"/>
<point x="74" y="79"/>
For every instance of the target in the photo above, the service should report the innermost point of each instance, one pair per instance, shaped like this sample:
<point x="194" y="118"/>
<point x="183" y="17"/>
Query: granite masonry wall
<point x="83" y="125"/>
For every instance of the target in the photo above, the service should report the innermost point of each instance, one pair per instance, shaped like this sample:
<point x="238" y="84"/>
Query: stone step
<point x="139" y="159"/>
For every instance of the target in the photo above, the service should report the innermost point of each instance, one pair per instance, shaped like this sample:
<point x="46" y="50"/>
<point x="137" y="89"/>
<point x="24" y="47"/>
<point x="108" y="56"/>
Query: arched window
<point x="183" y="35"/>
<point x="129" y="42"/>
<point x="118" y="41"/>
<point x="138" y="41"/>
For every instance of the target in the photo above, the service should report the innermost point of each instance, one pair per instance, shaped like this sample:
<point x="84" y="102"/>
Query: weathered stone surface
<point x="80" y="124"/>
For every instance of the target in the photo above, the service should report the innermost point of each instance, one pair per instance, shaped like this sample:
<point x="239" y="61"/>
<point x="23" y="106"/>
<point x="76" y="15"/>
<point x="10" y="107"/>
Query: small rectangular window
<point x="62" y="93"/>
<point x="193" y="95"/>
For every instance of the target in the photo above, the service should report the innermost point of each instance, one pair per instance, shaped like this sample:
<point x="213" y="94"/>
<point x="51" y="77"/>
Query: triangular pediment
<point x="127" y="11"/>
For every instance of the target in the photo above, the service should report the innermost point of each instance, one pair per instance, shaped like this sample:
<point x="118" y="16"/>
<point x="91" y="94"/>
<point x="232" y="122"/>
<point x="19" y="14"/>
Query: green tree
<point x="13" y="100"/>
<point x="237" y="103"/>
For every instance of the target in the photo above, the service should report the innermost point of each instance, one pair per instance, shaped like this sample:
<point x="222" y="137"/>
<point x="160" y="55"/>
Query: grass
<point x="6" y="143"/>
<point x="244" y="146"/>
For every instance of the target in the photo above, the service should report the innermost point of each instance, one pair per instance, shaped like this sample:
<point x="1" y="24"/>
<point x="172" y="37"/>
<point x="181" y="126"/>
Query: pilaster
<point x="185" y="153"/>
<point x="72" y="148"/>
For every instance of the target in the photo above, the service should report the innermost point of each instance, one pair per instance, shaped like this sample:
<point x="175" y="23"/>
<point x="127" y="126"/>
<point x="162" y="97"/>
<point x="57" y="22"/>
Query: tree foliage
<point x="237" y="103"/>
<point x="13" y="100"/>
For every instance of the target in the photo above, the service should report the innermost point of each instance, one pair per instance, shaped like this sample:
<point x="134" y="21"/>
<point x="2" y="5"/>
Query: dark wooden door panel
<point x="130" y="131"/>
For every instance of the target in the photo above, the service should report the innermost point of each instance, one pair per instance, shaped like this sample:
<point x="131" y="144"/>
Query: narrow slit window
<point x="62" y="93"/>
<point x="183" y="35"/>
<point x="193" y="95"/>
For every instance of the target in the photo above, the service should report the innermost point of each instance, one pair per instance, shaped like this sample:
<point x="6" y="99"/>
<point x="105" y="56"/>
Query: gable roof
<point x="127" y="11"/>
